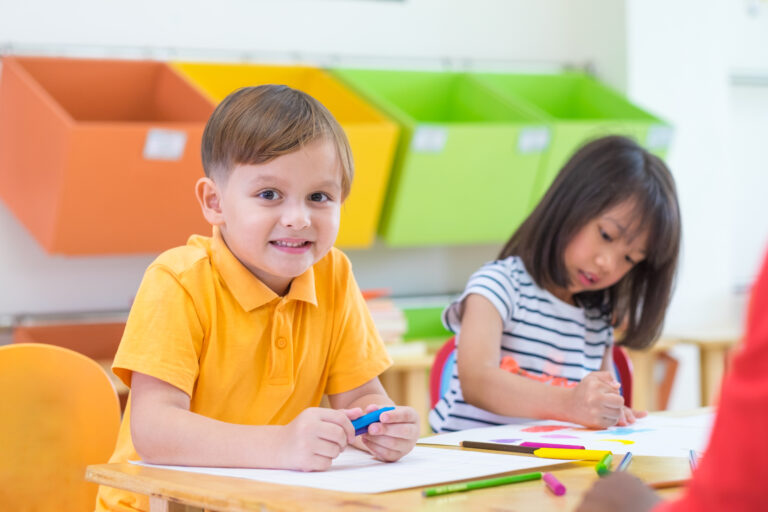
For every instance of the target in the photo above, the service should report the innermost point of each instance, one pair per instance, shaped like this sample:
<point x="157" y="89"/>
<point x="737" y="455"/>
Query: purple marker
<point x="553" y="483"/>
<point x="552" y="445"/>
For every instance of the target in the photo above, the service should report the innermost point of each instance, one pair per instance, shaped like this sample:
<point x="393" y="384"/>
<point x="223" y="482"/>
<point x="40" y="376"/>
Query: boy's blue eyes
<point x="271" y="195"/>
<point x="319" y="197"/>
<point x="268" y="194"/>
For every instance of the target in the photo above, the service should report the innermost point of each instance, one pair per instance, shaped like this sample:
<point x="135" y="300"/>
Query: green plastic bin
<point x="579" y="108"/>
<point x="467" y="159"/>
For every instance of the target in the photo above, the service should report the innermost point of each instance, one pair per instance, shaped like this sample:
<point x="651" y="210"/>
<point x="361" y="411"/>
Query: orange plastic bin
<point x="101" y="156"/>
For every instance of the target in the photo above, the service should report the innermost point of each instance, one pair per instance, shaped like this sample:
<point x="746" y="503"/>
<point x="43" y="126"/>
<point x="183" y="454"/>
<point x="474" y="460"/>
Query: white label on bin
<point x="659" y="137"/>
<point x="429" y="139"/>
<point x="164" y="144"/>
<point x="533" y="139"/>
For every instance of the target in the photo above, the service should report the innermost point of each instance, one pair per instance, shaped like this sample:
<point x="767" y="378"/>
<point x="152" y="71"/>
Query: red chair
<point x="621" y="363"/>
<point x="438" y="365"/>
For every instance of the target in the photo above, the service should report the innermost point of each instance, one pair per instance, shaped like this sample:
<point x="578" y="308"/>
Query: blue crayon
<point x="361" y="423"/>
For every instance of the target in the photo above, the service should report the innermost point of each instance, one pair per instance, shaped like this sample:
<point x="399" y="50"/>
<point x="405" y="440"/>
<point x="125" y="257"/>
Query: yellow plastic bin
<point x="101" y="156"/>
<point x="372" y="136"/>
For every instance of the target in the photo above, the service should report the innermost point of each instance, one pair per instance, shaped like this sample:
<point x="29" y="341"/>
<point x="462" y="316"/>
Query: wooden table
<point x="176" y="490"/>
<point x="713" y="351"/>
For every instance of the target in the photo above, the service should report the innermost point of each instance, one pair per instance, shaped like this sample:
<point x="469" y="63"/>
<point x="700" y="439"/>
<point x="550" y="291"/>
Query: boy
<point x="233" y="340"/>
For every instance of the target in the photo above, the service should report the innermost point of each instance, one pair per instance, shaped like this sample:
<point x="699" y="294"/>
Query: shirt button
<point x="281" y="343"/>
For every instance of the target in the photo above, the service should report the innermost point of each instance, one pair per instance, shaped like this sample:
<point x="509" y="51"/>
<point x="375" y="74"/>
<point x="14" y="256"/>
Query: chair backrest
<point x="624" y="372"/>
<point x="59" y="412"/>
<point x="445" y="355"/>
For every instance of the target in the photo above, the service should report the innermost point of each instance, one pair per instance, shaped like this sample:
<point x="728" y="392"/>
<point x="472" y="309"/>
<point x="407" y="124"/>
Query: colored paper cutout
<point x="623" y="431"/>
<point x="510" y="441"/>
<point x="560" y="436"/>
<point x="545" y="428"/>
<point x="622" y="441"/>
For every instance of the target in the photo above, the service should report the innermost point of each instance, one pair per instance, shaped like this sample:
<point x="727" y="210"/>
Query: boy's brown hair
<point x="254" y="125"/>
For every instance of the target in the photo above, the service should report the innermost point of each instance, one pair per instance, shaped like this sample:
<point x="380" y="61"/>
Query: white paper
<point x="356" y="471"/>
<point x="662" y="436"/>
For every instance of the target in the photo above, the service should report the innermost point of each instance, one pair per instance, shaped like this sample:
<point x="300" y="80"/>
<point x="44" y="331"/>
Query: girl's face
<point x="603" y="251"/>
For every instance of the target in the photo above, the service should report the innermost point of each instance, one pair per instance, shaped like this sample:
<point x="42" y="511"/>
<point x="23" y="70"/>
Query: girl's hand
<point x="596" y="401"/>
<point x="317" y="436"/>
<point x="394" y="435"/>
<point x="629" y="416"/>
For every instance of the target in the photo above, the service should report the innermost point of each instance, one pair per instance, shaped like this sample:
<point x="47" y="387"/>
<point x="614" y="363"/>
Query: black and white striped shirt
<point x="543" y="334"/>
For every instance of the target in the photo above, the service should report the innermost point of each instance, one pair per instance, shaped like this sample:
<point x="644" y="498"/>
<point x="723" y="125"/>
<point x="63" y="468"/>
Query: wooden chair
<point x="445" y="358"/>
<point x="59" y="412"/>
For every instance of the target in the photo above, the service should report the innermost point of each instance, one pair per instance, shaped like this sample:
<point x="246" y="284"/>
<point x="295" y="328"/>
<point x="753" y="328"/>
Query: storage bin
<point x="372" y="136"/>
<point x="579" y="108"/>
<point x="467" y="160"/>
<point x="101" y="156"/>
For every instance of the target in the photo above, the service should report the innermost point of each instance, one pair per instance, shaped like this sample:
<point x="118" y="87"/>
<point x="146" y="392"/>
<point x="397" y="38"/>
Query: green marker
<point x="604" y="466"/>
<point x="480" y="484"/>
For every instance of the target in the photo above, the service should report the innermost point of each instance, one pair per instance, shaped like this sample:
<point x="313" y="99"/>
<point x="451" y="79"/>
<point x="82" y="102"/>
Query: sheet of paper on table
<point x="657" y="435"/>
<point x="356" y="471"/>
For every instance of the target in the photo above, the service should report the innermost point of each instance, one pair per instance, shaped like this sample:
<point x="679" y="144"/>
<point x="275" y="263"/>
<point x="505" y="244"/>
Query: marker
<point x="498" y="447"/>
<point x="361" y="423"/>
<point x="692" y="460"/>
<point x="547" y="453"/>
<point x="480" y="484"/>
<point x="624" y="464"/>
<point x="559" y="453"/>
<point x="604" y="466"/>
<point x="669" y="483"/>
<point x="552" y="445"/>
<point x="553" y="484"/>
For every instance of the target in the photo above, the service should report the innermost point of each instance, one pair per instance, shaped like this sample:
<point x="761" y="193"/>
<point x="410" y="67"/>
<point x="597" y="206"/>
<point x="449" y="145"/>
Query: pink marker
<point x="552" y="445"/>
<point x="553" y="483"/>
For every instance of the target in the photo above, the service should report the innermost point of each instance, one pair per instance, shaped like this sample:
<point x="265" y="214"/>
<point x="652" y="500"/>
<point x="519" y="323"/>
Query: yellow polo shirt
<point x="205" y="324"/>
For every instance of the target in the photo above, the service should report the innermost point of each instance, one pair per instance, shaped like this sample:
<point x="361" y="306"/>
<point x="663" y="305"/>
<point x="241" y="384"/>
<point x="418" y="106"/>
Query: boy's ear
<point x="209" y="197"/>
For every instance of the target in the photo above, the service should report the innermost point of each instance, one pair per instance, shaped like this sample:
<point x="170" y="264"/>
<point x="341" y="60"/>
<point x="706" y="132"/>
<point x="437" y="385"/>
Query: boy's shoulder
<point x="334" y="265"/>
<point x="181" y="259"/>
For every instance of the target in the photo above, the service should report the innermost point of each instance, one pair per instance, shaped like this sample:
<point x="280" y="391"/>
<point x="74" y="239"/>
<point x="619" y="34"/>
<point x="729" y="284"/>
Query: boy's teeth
<point x="289" y="244"/>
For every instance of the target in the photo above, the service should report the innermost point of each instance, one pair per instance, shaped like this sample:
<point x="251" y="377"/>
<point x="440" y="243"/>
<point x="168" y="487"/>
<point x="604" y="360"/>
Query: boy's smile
<point x="280" y="217"/>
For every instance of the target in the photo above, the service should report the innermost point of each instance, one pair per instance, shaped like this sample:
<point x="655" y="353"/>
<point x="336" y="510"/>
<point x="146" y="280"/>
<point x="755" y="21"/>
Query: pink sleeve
<point x="733" y="473"/>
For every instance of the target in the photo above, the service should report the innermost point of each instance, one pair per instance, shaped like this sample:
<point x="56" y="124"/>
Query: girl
<point x="600" y="250"/>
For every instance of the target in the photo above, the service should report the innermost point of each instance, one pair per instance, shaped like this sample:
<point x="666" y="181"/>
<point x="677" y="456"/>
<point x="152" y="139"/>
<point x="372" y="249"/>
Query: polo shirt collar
<point x="249" y="291"/>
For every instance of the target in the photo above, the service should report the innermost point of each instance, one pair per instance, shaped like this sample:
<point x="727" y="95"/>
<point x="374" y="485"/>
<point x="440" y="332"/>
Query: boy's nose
<point x="296" y="216"/>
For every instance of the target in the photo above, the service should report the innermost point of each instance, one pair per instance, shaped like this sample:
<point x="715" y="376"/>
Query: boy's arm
<point x="396" y="432"/>
<point x="165" y="431"/>
<point x="594" y="402"/>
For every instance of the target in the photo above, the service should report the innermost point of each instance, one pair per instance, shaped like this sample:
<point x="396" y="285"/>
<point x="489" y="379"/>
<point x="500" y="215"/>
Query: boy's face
<point x="281" y="217"/>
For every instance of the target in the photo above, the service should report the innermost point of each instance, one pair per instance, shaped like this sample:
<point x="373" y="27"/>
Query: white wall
<point x="453" y="34"/>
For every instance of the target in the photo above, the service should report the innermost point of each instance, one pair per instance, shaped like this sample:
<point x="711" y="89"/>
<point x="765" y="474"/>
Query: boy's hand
<point x="596" y="401"/>
<point x="629" y="416"/>
<point x="394" y="435"/>
<point x="317" y="436"/>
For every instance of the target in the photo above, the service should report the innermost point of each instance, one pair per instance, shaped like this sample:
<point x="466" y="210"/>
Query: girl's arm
<point x="165" y="431"/>
<point x="594" y="402"/>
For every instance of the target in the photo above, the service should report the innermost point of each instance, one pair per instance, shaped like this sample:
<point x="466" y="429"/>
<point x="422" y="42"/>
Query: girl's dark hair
<point x="601" y="175"/>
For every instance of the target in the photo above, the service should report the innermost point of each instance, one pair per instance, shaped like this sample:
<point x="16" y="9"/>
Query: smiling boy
<point x="233" y="339"/>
